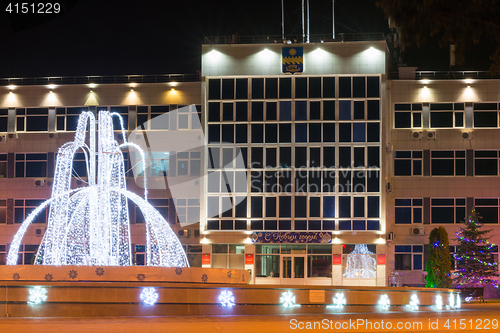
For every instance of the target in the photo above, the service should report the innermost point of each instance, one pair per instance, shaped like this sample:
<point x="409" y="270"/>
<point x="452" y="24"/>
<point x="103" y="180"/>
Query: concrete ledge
<point x="122" y="274"/>
<point x="77" y="299"/>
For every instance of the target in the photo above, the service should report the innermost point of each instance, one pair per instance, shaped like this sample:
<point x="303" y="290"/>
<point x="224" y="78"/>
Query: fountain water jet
<point x="90" y="225"/>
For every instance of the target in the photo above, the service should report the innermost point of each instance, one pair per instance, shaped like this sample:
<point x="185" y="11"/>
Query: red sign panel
<point x="205" y="259"/>
<point x="248" y="259"/>
<point x="381" y="259"/>
<point x="337" y="259"/>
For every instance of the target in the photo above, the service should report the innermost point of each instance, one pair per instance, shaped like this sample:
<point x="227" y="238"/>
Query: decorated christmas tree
<point x="438" y="265"/>
<point x="476" y="265"/>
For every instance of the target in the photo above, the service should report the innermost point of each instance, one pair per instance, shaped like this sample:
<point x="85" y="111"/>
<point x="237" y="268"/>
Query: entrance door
<point x="293" y="269"/>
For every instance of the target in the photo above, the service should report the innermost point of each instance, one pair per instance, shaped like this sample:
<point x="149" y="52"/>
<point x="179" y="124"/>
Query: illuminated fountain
<point x="90" y="225"/>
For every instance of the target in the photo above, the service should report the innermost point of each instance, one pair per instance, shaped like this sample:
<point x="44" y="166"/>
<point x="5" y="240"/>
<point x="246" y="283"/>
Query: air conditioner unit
<point x="431" y="135"/>
<point x="39" y="182"/>
<point x="417" y="135"/>
<point x="390" y="236"/>
<point x="467" y="135"/>
<point x="13" y="136"/>
<point x="183" y="233"/>
<point x="3" y="138"/>
<point x="416" y="231"/>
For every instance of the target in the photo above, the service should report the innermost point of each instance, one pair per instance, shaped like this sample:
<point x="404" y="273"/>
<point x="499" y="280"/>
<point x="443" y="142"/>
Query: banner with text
<point x="292" y="237"/>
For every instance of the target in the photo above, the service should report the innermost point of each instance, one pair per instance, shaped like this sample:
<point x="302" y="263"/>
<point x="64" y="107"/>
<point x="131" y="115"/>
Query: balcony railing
<point x="100" y="79"/>
<point x="443" y="75"/>
<point x="317" y="38"/>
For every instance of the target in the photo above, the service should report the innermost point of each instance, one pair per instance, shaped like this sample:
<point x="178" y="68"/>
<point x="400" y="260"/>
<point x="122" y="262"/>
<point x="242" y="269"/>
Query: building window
<point x="67" y="118"/>
<point x="23" y="207"/>
<point x="3" y="254"/>
<point x="267" y="260"/>
<point x="319" y="261"/>
<point x="408" y="163"/>
<point x="3" y="211"/>
<point x="32" y="120"/>
<point x="487" y="209"/>
<point x="485" y="115"/>
<point x="408" y="115"/>
<point x="31" y="165"/>
<point x="4" y="120"/>
<point x="158" y="163"/>
<point x="3" y="165"/>
<point x="408" y="211"/>
<point x="194" y="254"/>
<point x="441" y="115"/>
<point x="447" y="210"/>
<point x="26" y="254"/>
<point x="140" y="255"/>
<point x="161" y="205"/>
<point x="486" y="162"/>
<point x="188" y="210"/>
<point x="408" y="257"/>
<point x="231" y="256"/>
<point x="123" y="112"/>
<point x="448" y="163"/>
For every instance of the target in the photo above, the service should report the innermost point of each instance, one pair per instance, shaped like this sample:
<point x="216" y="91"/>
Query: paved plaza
<point x="484" y="316"/>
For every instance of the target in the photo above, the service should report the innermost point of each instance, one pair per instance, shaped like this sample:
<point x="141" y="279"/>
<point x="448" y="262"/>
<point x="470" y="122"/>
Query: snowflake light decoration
<point x="226" y="299"/>
<point x="37" y="295"/>
<point x="339" y="301"/>
<point x="287" y="299"/>
<point x="458" y="303"/>
<point x="439" y="302"/>
<point x="90" y="225"/>
<point x="468" y="299"/>
<point x="384" y="302"/>
<point x="413" y="305"/>
<point x="149" y="296"/>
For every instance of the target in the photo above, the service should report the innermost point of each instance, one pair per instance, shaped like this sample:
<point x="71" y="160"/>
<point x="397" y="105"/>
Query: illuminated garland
<point x="472" y="246"/>
<point x="90" y="225"/>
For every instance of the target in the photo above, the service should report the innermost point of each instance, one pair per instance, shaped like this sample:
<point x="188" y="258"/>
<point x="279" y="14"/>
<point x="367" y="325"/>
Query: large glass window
<point x="408" y="257"/>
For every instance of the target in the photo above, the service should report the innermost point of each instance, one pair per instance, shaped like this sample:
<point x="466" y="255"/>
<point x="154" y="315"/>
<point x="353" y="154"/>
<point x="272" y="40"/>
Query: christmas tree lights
<point x="474" y="256"/>
<point x="90" y="225"/>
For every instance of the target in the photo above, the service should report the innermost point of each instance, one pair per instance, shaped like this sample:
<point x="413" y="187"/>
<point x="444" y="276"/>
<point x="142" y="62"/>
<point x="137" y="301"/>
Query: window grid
<point x="408" y="257"/>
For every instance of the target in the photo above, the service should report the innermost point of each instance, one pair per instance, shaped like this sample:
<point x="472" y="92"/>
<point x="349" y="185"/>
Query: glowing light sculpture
<point x="37" y="295"/>
<point x="384" y="302"/>
<point x="413" y="303"/>
<point x="339" y="302"/>
<point x="90" y="225"/>
<point x="458" y="303"/>
<point x="439" y="302"/>
<point x="360" y="263"/>
<point x="287" y="299"/>
<point x="149" y="296"/>
<point x="451" y="301"/>
<point x="226" y="299"/>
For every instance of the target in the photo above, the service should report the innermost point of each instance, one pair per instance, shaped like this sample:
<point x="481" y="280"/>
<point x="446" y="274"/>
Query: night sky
<point x="164" y="37"/>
